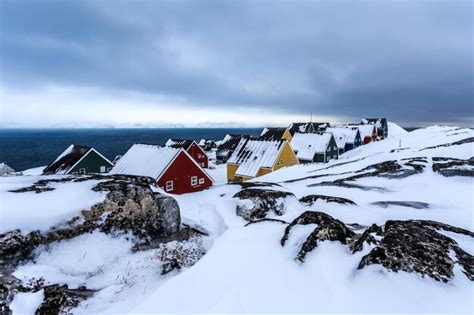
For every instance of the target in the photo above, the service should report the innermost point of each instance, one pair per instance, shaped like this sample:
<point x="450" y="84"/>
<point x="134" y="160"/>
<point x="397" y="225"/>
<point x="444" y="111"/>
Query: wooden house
<point x="346" y="138"/>
<point x="173" y="169"/>
<point x="276" y="133"/>
<point x="256" y="157"/>
<point x="194" y="150"/>
<point x="207" y="144"/>
<point x="380" y="124"/>
<point x="313" y="147"/>
<point x="78" y="159"/>
<point x="227" y="146"/>
<point x="368" y="133"/>
<point x="308" y="127"/>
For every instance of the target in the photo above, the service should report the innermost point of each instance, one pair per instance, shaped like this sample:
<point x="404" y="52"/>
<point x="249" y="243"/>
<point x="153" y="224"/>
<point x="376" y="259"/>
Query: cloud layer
<point x="238" y="61"/>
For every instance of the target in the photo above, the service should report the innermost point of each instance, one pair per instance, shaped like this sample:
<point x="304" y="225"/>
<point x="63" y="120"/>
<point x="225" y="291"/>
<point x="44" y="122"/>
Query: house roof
<point x="253" y="154"/>
<point x="229" y="144"/>
<point x="378" y="122"/>
<point x="67" y="160"/>
<point x="343" y="135"/>
<point x="366" y="130"/>
<point x="273" y="133"/>
<point x="5" y="169"/>
<point x="145" y="160"/>
<point x="179" y="143"/>
<point x="306" y="145"/>
<point x="308" y="127"/>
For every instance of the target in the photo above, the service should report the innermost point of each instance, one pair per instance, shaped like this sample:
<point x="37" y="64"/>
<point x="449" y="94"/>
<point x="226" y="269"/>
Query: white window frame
<point x="201" y="181"/>
<point x="82" y="170"/>
<point x="103" y="169"/>
<point x="169" y="186"/>
<point x="194" y="180"/>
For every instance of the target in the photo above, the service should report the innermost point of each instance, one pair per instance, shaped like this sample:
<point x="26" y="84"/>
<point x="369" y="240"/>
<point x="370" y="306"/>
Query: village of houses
<point x="184" y="165"/>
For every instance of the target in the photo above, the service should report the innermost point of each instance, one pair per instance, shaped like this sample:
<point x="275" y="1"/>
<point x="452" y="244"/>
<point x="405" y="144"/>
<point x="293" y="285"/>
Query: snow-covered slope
<point x="247" y="270"/>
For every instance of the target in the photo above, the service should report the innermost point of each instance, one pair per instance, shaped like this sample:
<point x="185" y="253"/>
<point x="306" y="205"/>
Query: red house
<point x="174" y="170"/>
<point x="368" y="133"/>
<point x="196" y="152"/>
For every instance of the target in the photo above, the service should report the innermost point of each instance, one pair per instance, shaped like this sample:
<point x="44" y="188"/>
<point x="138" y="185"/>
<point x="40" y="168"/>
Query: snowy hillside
<point x="336" y="256"/>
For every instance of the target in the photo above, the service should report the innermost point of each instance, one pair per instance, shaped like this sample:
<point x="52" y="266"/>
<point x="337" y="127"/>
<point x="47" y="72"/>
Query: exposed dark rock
<point x="310" y="199"/>
<point x="263" y="201"/>
<point x="416" y="246"/>
<point x="408" y="204"/>
<point x="43" y="185"/>
<point x="61" y="299"/>
<point x="366" y="237"/>
<point x="266" y="220"/>
<point x="255" y="184"/>
<point x="453" y="167"/>
<point x="328" y="229"/>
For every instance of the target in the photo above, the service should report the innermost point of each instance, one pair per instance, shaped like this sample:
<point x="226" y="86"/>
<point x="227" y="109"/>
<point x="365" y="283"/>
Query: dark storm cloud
<point x="411" y="61"/>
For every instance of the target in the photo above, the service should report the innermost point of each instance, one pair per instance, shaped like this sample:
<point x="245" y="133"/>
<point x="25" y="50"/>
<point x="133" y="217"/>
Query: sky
<point x="234" y="63"/>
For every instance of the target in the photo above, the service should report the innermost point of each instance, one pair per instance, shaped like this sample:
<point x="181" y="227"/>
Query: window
<point x="82" y="171"/>
<point x="169" y="185"/>
<point x="201" y="181"/>
<point x="102" y="169"/>
<point x="194" y="180"/>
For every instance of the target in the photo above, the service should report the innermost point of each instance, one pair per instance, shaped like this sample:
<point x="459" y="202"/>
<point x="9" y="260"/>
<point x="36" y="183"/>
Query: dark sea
<point x="27" y="148"/>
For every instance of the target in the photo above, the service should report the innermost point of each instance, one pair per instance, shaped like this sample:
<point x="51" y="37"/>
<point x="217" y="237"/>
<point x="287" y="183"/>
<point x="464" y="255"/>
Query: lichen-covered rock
<point x="366" y="237"/>
<point x="328" y="229"/>
<point x="61" y="299"/>
<point x="453" y="167"/>
<point x="416" y="246"/>
<point x="310" y="199"/>
<point x="257" y="203"/>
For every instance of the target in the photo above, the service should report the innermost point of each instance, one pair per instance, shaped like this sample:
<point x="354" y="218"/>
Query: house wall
<point x="180" y="172"/>
<point x="348" y="147"/>
<point x="231" y="170"/>
<point x="332" y="151"/>
<point x="319" y="158"/>
<point x="198" y="155"/>
<point x="287" y="157"/>
<point x="287" y="135"/>
<point x="263" y="171"/>
<point x="91" y="163"/>
<point x="358" y="140"/>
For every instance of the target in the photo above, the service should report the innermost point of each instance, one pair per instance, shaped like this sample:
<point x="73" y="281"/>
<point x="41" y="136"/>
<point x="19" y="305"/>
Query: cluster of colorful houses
<point x="179" y="166"/>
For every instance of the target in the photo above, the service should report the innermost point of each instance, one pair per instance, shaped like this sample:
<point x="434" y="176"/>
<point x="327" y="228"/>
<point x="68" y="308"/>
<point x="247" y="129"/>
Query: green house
<point x="78" y="159"/>
<point x="315" y="147"/>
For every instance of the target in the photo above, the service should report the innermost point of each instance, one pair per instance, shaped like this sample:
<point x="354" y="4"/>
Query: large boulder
<point x="257" y="203"/>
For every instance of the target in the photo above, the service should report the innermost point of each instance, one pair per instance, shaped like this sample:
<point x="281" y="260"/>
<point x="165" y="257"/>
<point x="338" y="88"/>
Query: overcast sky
<point x="91" y="63"/>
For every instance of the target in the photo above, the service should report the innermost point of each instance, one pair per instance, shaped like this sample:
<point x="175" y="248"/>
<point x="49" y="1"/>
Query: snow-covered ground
<point x="245" y="269"/>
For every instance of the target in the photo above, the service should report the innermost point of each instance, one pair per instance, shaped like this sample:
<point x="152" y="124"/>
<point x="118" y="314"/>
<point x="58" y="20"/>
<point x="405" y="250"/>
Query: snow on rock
<point x="31" y="211"/>
<point x="27" y="303"/>
<point x="33" y="171"/>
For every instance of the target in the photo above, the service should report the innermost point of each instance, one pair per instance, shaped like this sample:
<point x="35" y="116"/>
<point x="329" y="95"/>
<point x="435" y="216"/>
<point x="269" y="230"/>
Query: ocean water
<point x="27" y="148"/>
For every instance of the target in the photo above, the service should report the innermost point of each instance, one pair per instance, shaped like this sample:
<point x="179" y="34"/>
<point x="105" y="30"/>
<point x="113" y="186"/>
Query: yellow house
<point x="256" y="157"/>
<point x="276" y="133"/>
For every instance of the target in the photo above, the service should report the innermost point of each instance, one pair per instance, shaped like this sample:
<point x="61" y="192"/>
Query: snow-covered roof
<point x="306" y="145"/>
<point x="343" y="135"/>
<point x="229" y="144"/>
<point x="378" y="122"/>
<point x="145" y="160"/>
<point x="308" y="127"/>
<point x="273" y="133"/>
<point x="179" y="143"/>
<point x="254" y="154"/>
<point x="366" y="130"/>
<point x="67" y="160"/>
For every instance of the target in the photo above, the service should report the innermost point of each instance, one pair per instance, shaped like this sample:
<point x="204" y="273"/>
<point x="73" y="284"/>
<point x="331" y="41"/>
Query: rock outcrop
<point x="257" y="203"/>
<point x="417" y="246"/>
<point x="130" y="206"/>
<point x="453" y="167"/>
<point x="327" y="229"/>
<point x="311" y="199"/>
